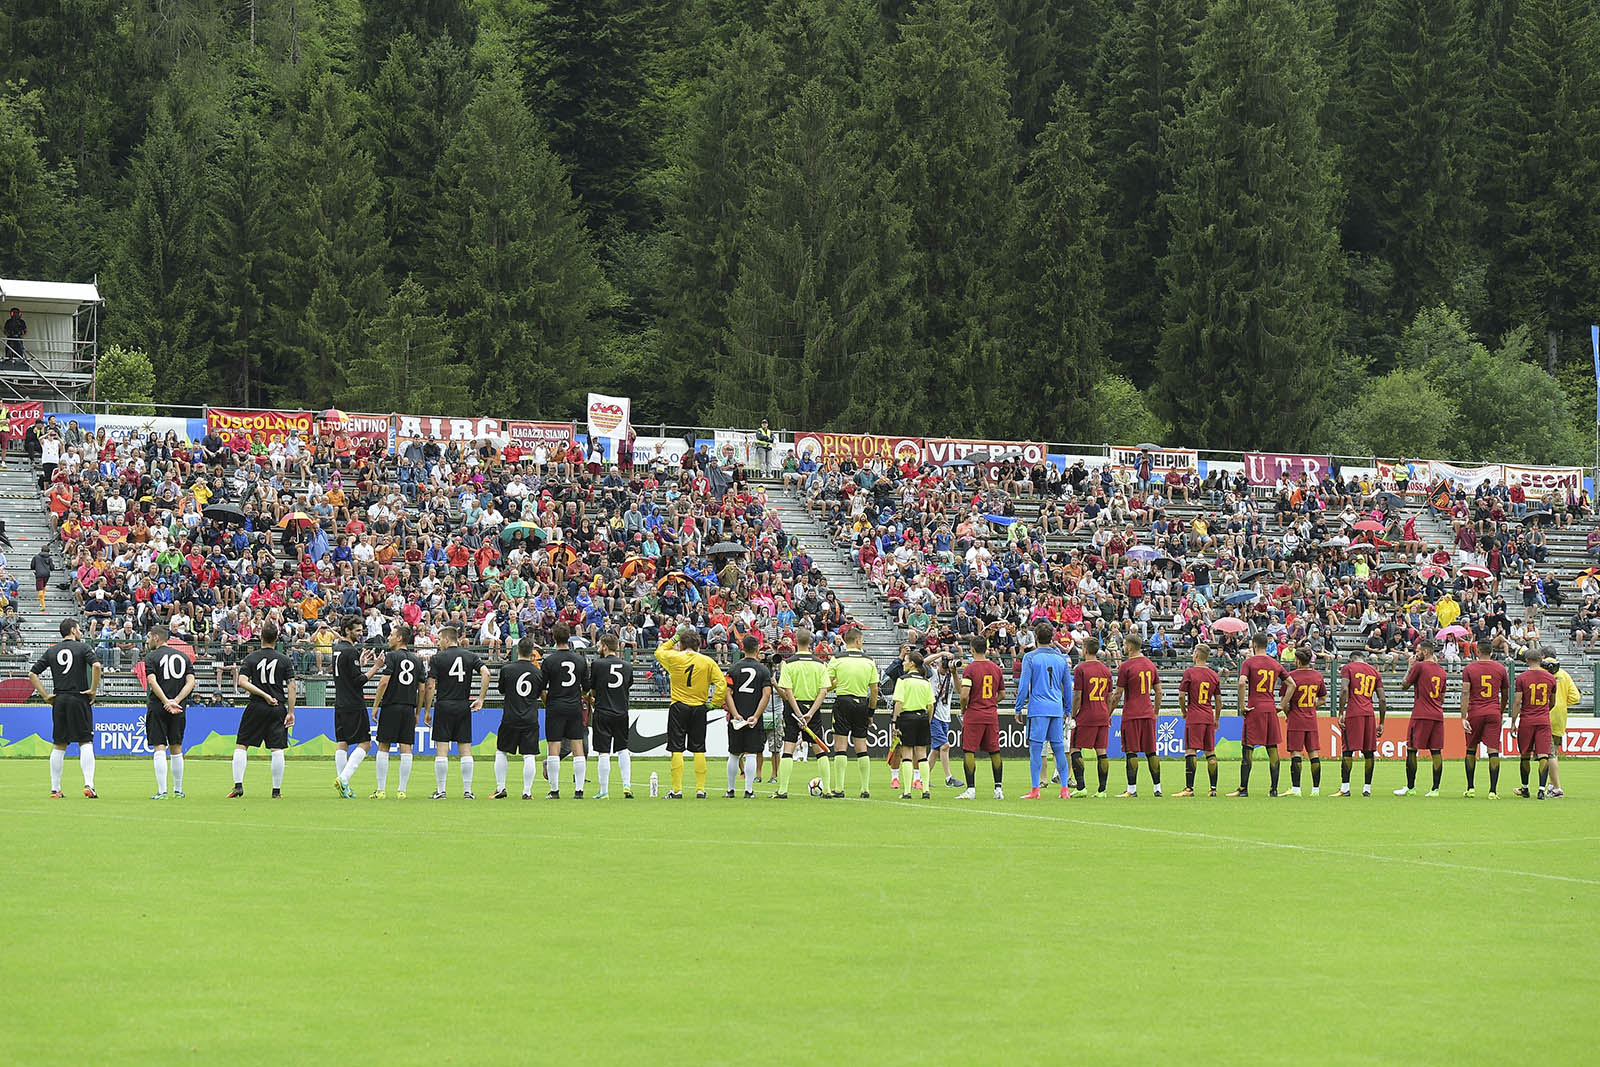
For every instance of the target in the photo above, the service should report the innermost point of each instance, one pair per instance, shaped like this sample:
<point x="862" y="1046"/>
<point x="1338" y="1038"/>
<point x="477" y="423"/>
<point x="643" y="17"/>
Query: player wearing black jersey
<point x="75" y="677"/>
<point x="352" y="726"/>
<point x="169" y="679"/>
<point x="749" y="693"/>
<point x="268" y="676"/>
<point x="520" y="685"/>
<point x="566" y="681"/>
<point x="610" y="680"/>
<point x="450" y="673"/>
<point x="402" y="686"/>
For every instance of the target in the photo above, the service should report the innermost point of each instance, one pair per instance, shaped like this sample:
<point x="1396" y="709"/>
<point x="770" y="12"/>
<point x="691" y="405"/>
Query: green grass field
<point x="315" y="929"/>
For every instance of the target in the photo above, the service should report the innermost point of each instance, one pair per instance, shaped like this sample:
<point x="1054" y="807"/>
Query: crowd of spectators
<point x="213" y="539"/>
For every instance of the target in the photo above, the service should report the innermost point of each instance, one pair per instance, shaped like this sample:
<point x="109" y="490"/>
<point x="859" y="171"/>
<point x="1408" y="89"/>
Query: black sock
<point x="1211" y="769"/>
<point x="969" y="763"/>
<point x="1155" y="770"/>
<point x="1471" y="767"/>
<point x="1273" y="761"/>
<point x="1345" y="763"/>
<point x="1494" y="772"/>
<point x="1244" y="770"/>
<point x="1438" y="769"/>
<point x="1132" y="763"/>
<point x="1103" y="765"/>
<point x="997" y="764"/>
<point x="1524" y="770"/>
<point x="1188" y="771"/>
<point x="1371" y="759"/>
<point x="1411" y="769"/>
<point x="1316" y="772"/>
<point x="1544" y="771"/>
<point x="1294" y="772"/>
<point x="1077" y="771"/>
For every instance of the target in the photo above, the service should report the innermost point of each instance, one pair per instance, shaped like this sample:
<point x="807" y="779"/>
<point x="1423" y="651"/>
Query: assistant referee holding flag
<point x="696" y="682"/>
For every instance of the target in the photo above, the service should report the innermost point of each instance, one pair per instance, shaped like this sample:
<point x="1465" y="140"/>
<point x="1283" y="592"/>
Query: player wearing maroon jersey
<point x="1139" y="696"/>
<point x="1359" y="684"/>
<point x="1091" y="714"/>
<point x="1485" y="699"/>
<point x="982" y="685"/>
<point x="1199" y="696"/>
<point x="1427" y="681"/>
<point x="1301" y="698"/>
<point x="1530" y="717"/>
<point x="1259" y="677"/>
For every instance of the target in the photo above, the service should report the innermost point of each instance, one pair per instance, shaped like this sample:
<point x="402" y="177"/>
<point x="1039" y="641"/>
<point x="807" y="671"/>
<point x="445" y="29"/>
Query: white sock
<point x="466" y="773"/>
<point x="604" y="759"/>
<point x="441" y="770"/>
<point x="500" y="767"/>
<point x="177" y="771"/>
<point x="405" y="770"/>
<point x="277" y="768"/>
<point x="530" y="774"/>
<point x="161" y="770"/>
<point x="733" y="771"/>
<point x="625" y="765"/>
<point x="352" y="761"/>
<point x="86" y="762"/>
<point x="239" y="758"/>
<point x="552" y="772"/>
<point x="383" y="769"/>
<point x="749" y="772"/>
<point x="58" y="761"/>
<point x="580" y="770"/>
<point x="339" y="758"/>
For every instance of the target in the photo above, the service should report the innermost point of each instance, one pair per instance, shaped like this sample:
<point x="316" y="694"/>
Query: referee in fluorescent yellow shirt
<point x="696" y="682"/>
<point x="1564" y="697"/>
<point x="853" y="679"/>
<point x="803" y="680"/>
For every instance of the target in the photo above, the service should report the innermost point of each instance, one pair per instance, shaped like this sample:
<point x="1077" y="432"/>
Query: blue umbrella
<point x="1001" y="520"/>
<point x="958" y="463"/>
<point x="1144" y="553"/>
<point x="1244" y="596"/>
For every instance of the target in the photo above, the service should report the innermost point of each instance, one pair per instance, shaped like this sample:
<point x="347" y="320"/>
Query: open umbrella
<point x="564" y="553"/>
<point x="1362" y="547"/>
<point x="1456" y="632"/>
<point x="1243" y="596"/>
<point x="1367" y="526"/>
<point x="675" y="576"/>
<point x="728" y="548"/>
<point x="513" y="531"/>
<point x="1252" y="575"/>
<point x="1148" y="447"/>
<point x="957" y="463"/>
<point x="1475" y="571"/>
<point x="637" y="564"/>
<point x="225" y="513"/>
<point x="1434" y="572"/>
<point x="1391" y="501"/>
<point x="1144" y="553"/>
<point x="1230" y="625"/>
<point x="1336" y="542"/>
<point x="299" y="518"/>
<point x="1391" y="568"/>
<point x="333" y="416"/>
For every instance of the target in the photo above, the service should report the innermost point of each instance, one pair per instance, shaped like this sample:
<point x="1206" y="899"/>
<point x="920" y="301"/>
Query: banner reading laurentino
<point x="1162" y="460"/>
<point x="858" y="447"/>
<point x="231" y="423"/>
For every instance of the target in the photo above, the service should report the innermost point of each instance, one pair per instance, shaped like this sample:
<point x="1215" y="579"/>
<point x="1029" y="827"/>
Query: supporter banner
<point x="942" y="450"/>
<point x="436" y="428"/>
<point x="1468" y="478"/>
<point x="375" y="431"/>
<point x="231" y="423"/>
<point x="1266" y="468"/>
<point x="733" y="446"/>
<point x="860" y="447"/>
<point x="552" y="436"/>
<point x="1543" y="479"/>
<point x="122" y="427"/>
<point x="609" y="415"/>
<point x="669" y="449"/>
<point x="1161" y="459"/>
<point x="23" y="414"/>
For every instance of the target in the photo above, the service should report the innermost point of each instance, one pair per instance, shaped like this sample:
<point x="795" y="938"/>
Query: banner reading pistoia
<point x="609" y="416"/>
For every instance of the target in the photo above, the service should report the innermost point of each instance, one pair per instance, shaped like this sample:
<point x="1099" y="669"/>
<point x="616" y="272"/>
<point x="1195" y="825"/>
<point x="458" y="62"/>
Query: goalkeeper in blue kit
<point x="1044" y="696"/>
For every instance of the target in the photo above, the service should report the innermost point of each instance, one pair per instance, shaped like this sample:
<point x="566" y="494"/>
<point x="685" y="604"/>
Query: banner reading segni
<point x="1162" y="460"/>
<point x="942" y="450"/>
<point x="231" y="423"/>
<point x="1545" y="479"/>
<point x="858" y="447"/>
<point x="1265" y="468"/>
<point x="609" y="415"/>
<point x="436" y="428"/>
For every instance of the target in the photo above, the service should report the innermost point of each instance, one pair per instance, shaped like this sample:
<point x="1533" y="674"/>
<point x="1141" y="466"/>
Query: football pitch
<point x="316" y="929"/>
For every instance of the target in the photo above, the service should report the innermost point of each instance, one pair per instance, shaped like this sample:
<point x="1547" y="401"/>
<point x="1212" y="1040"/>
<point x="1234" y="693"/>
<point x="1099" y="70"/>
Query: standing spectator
<point x="16" y="329"/>
<point x="42" y="567"/>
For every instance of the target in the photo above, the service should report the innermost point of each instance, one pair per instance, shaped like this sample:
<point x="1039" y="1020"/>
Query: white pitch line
<point x="1254" y="842"/>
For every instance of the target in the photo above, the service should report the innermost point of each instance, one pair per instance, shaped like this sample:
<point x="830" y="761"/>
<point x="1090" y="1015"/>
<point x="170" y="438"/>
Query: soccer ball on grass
<point x="815" y="787"/>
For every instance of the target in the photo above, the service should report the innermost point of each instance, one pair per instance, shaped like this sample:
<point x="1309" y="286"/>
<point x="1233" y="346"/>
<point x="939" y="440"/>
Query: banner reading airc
<point x="858" y="447"/>
<point x="232" y="423"/>
<point x="1266" y="468"/>
<point x="438" y="428"/>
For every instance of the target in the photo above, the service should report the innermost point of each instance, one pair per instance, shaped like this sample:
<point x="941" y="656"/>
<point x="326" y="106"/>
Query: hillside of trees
<point x="1370" y="226"/>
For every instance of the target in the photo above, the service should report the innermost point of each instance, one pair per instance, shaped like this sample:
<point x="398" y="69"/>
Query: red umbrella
<point x="1230" y="625"/>
<point x="1475" y="571"/>
<point x="1434" y="572"/>
<point x="1454" y="631"/>
<point x="1367" y="526"/>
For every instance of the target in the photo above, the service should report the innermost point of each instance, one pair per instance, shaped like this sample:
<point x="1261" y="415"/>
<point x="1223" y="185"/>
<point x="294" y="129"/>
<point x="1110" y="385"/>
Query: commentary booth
<point x="54" y="360"/>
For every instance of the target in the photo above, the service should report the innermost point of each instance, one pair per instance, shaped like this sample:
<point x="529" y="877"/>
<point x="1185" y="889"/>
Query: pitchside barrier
<point x="119" y="731"/>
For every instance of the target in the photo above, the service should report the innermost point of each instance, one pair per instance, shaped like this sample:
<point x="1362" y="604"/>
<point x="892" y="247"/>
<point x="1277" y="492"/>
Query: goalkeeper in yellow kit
<point x="696" y="682"/>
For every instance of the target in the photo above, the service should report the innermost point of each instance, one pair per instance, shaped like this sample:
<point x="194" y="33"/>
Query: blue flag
<point x="1594" y="335"/>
